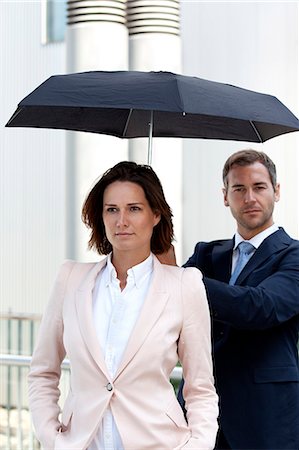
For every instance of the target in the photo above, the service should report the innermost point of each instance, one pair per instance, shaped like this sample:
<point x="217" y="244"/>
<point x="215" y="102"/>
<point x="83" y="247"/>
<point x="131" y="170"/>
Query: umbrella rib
<point x="256" y="131"/>
<point x="127" y="122"/>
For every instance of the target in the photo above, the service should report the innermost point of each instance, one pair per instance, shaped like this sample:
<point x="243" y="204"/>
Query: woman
<point x="124" y="323"/>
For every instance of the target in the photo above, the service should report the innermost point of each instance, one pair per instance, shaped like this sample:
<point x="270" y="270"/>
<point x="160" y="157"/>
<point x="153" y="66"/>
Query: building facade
<point x="45" y="174"/>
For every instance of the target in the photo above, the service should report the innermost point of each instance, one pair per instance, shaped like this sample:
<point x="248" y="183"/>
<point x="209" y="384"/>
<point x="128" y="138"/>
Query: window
<point x="54" y="20"/>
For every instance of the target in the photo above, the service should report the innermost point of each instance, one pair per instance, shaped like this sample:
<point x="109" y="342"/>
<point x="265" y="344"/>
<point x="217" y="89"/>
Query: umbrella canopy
<point x="130" y="104"/>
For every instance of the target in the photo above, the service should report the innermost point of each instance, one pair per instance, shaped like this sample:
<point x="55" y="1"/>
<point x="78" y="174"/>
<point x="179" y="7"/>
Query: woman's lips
<point x="123" y="234"/>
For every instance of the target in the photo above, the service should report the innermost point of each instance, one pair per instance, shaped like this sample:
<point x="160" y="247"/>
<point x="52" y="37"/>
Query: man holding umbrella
<point x="254" y="299"/>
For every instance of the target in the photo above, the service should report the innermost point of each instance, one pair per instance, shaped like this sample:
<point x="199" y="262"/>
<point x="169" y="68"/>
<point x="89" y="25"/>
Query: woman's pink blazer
<point x="174" y="324"/>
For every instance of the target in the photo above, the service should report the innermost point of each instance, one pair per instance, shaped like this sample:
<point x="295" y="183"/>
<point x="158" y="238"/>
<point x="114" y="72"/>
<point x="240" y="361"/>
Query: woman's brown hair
<point x="144" y="176"/>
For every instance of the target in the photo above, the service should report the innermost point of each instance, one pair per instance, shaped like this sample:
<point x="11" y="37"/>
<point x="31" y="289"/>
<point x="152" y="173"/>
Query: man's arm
<point x="263" y="303"/>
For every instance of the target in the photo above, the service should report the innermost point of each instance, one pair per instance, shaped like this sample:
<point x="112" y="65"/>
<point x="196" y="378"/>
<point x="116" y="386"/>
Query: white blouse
<point x="115" y="313"/>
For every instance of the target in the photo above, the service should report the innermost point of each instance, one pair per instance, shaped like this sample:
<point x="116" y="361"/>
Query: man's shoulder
<point x="281" y="232"/>
<point x="216" y="243"/>
<point x="206" y="254"/>
<point x="281" y="237"/>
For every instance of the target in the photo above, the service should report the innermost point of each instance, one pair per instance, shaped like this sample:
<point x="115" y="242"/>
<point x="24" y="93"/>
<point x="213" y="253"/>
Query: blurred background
<point x="45" y="174"/>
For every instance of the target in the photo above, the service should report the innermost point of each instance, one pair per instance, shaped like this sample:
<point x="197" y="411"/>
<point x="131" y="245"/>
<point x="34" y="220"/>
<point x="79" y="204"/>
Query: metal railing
<point x="16" y="432"/>
<point x="17" y="337"/>
<point x="21" y="361"/>
<point x="18" y="333"/>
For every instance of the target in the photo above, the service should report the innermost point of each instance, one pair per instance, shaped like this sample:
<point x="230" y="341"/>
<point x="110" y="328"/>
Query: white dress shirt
<point x="255" y="241"/>
<point x="115" y="313"/>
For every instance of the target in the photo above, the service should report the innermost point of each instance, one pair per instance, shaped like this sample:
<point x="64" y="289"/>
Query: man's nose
<point x="249" y="196"/>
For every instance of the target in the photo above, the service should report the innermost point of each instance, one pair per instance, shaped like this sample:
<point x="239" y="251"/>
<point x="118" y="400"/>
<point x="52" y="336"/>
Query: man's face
<point x="251" y="197"/>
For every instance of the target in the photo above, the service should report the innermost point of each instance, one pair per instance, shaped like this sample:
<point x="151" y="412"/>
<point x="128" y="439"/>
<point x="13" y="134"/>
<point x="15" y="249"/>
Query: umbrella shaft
<point x="150" y="139"/>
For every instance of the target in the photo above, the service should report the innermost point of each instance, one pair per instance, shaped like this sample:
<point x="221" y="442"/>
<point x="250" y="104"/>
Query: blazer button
<point x="109" y="387"/>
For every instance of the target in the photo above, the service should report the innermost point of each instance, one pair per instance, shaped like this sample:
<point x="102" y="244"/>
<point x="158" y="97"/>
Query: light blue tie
<point x="245" y="252"/>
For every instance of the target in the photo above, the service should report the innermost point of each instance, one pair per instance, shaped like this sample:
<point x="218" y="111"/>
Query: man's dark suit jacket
<point x="255" y="336"/>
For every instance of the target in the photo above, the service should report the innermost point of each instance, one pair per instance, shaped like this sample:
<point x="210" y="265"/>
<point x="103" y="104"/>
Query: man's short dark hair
<point x="246" y="158"/>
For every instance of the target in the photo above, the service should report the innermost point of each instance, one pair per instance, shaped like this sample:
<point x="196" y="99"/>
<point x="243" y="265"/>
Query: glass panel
<point x="56" y="20"/>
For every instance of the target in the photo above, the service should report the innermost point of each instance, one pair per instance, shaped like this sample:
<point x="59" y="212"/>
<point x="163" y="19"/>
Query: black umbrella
<point x="130" y="104"/>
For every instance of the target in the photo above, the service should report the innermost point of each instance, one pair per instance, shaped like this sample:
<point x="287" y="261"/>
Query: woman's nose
<point x="122" y="219"/>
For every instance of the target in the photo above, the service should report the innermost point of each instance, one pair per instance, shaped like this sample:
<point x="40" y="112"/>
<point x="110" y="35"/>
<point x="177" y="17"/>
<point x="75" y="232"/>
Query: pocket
<point x="67" y="411"/>
<point x="175" y="413"/>
<point x="276" y="374"/>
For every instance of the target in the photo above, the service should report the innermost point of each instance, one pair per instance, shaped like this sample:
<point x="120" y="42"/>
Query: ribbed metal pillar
<point x="83" y="11"/>
<point x="154" y="44"/>
<point x="97" y="39"/>
<point x="153" y="16"/>
<point x="97" y="36"/>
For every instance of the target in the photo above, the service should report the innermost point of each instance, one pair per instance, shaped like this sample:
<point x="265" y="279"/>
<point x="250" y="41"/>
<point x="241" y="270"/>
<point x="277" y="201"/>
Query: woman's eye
<point x="111" y="209"/>
<point x="135" y="208"/>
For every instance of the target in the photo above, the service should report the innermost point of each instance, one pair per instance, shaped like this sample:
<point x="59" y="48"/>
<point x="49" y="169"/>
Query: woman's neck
<point x="123" y="261"/>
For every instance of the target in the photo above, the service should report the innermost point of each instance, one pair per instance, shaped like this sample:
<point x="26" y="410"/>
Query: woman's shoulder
<point x="72" y="273"/>
<point x="71" y="267"/>
<point x="186" y="281"/>
<point x="185" y="273"/>
<point x="69" y="264"/>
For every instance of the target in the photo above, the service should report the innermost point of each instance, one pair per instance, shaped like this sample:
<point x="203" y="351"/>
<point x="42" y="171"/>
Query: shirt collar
<point x="137" y="273"/>
<point x="258" y="238"/>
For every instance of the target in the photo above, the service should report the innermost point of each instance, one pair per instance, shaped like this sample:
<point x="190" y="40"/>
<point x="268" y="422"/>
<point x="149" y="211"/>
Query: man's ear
<point x="225" y="200"/>
<point x="277" y="192"/>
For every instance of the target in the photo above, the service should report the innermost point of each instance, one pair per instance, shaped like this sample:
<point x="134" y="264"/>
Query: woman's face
<point x="128" y="218"/>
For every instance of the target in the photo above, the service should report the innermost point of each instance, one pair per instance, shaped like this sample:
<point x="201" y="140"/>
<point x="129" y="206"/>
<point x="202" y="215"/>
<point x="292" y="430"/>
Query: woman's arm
<point x="196" y="358"/>
<point x="45" y="370"/>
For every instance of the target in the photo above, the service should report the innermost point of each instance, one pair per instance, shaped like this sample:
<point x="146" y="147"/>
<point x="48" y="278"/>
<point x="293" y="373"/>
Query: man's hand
<point x="168" y="257"/>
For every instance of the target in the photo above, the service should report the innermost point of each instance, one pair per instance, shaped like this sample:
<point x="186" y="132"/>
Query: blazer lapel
<point x="273" y="243"/>
<point x="222" y="260"/>
<point x="153" y="306"/>
<point x="83" y="300"/>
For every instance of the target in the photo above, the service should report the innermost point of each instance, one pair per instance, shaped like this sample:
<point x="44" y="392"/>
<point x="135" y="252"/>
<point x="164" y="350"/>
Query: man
<point x="256" y="317"/>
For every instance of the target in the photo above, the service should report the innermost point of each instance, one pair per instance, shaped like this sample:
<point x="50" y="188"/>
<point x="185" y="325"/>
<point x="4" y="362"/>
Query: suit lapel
<point x="153" y="306"/>
<point x="272" y="244"/>
<point x="222" y="260"/>
<point x="83" y="300"/>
